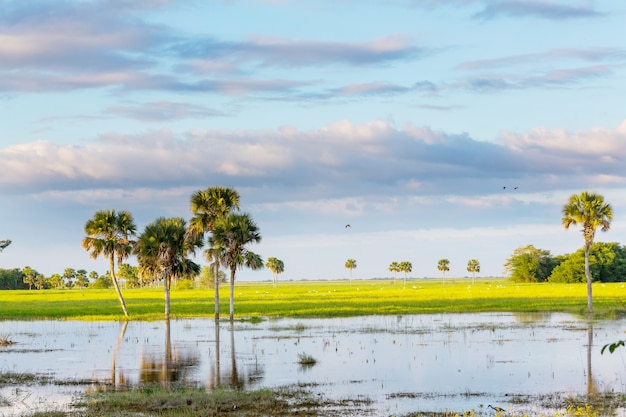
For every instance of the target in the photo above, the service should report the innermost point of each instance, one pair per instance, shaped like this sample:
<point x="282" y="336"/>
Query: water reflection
<point x="170" y="367"/>
<point x="404" y="363"/>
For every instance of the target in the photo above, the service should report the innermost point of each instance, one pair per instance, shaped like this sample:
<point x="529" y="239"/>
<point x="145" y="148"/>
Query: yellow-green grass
<point x="317" y="299"/>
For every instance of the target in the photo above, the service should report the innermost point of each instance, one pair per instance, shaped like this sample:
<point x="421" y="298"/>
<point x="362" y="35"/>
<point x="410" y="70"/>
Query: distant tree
<point x="530" y="264"/>
<point x="12" y="279"/>
<point x="55" y="281"/>
<point x="4" y="244"/>
<point x="405" y="266"/>
<point x="395" y="268"/>
<point x="229" y="243"/>
<point x="81" y="279"/>
<point x="444" y="266"/>
<point x="350" y="264"/>
<point x="607" y="263"/>
<point x="207" y="206"/>
<point x="473" y="266"/>
<point x="69" y="274"/>
<point x="109" y="234"/>
<point x="103" y="281"/>
<point x="276" y="266"/>
<point x="40" y="281"/>
<point x="130" y="275"/>
<point x="163" y="251"/>
<point x="29" y="276"/>
<point x="207" y="277"/>
<point x="591" y="212"/>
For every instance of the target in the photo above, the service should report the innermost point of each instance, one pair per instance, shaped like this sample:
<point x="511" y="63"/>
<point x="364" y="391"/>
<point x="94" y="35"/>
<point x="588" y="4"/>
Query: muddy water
<point x="402" y="363"/>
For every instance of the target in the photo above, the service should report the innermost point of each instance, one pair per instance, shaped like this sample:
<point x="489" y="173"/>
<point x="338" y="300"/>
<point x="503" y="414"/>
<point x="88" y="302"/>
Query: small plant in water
<point x="306" y="359"/>
<point x="6" y="340"/>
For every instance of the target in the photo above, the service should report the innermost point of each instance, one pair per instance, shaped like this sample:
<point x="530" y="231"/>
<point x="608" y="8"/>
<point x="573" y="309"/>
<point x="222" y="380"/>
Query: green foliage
<point x="4" y="244"/>
<point x="206" y="279"/>
<point x="12" y="279"/>
<point x="185" y="284"/>
<point x="103" y="282"/>
<point x="607" y="263"/>
<point x="529" y="264"/>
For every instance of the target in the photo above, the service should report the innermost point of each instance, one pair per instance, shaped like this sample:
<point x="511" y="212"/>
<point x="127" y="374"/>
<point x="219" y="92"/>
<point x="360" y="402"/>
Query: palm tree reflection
<point x="232" y="375"/>
<point x="173" y="367"/>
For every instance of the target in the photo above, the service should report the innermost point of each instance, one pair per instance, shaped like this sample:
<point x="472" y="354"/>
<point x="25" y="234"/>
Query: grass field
<point x="317" y="299"/>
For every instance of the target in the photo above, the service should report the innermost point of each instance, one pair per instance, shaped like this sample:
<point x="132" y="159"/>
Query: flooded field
<point x="400" y="364"/>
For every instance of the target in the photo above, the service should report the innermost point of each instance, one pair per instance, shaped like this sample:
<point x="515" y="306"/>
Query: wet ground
<point x="404" y="364"/>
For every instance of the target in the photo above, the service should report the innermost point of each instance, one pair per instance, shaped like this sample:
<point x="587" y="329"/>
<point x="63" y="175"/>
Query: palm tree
<point x="590" y="211"/>
<point x="473" y="266"/>
<point x="30" y="276"/>
<point x="108" y="234"/>
<point x="228" y="246"/>
<point x="276" y="266"/>
<point x="443" y="266"/>
<point x="405" y="267"/>
<point x="162" y="251"/>
<point x="350" y="264"/>
<point x="395" y="268"/>
<point x="207" y="206"/>
<point x="4" y="244"/>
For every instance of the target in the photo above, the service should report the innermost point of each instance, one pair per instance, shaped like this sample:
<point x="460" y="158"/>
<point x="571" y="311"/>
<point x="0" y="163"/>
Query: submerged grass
<point x="318" y="299"/>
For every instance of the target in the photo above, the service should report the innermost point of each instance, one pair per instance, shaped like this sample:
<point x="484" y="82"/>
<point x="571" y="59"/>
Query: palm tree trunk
<point x="116" y="285"/>
<point x="216" y="278"/>
<point x="166" y="286"/>
<point x="232" y="294"/>
<point x="588" y="276"/>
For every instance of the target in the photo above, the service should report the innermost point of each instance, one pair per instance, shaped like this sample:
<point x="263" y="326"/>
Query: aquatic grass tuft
<point x="305" y="359"/>
<point x="6" y="340"/>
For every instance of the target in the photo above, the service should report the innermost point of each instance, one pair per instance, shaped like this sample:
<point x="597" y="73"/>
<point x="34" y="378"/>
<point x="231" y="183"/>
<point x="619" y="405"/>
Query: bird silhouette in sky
<point x="348" y="226"/>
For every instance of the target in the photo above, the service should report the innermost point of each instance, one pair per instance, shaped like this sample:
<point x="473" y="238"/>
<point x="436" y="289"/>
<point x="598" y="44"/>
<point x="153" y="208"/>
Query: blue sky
<point x="402" y="118"/>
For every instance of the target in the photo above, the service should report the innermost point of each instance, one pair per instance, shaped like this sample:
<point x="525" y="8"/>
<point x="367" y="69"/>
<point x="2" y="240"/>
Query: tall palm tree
<point x="590" y="211"/>
<point x="405" y="266"/>
<point x="207" y="206"/>
<point x="350" y="264"/>
<point x="443" y="266"/>
<point x="109" y="234"/>
<point x="395" y="268"/>
<point x="473" y="266"/>
<point x="228" y="245"/>
<point x="276" y="266"/>
<point x="162" y="251"/>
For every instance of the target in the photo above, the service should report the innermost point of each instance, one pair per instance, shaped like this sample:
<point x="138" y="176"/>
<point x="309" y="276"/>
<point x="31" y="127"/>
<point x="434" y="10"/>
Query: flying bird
<point x="348" y="226"/>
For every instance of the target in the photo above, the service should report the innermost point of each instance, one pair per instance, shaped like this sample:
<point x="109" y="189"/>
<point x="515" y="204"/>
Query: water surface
<point x="402" y="363"/>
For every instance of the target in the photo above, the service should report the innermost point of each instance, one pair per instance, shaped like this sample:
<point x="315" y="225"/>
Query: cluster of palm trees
<point x="404" y="266"/>
<point x="163" y="249"/>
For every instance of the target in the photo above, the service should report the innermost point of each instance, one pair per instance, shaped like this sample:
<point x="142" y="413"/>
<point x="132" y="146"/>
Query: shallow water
<point x="403" y="363"/>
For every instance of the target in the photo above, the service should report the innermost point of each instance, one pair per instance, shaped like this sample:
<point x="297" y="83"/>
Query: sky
<point x="437" y="129"/>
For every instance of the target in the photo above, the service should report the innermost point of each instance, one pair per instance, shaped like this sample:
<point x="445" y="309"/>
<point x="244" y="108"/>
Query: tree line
<point x="163" y="249"/>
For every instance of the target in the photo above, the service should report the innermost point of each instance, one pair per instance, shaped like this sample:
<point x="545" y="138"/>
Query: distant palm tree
<point x="109" y="234"/>
<point x="228" y="244"/>
<point x="473" y="266"/>
<point x="443" y="266"/>
<point x="405" y="267"/>
<point x="276" y="266"/>
<point x="590" y="211"/>
<point x="350" y="264"/>
<point x="162" y="251"/>
<point x="207" y="206"/>
<point x="30" y="276"/>
<point x="395" y="268"/>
